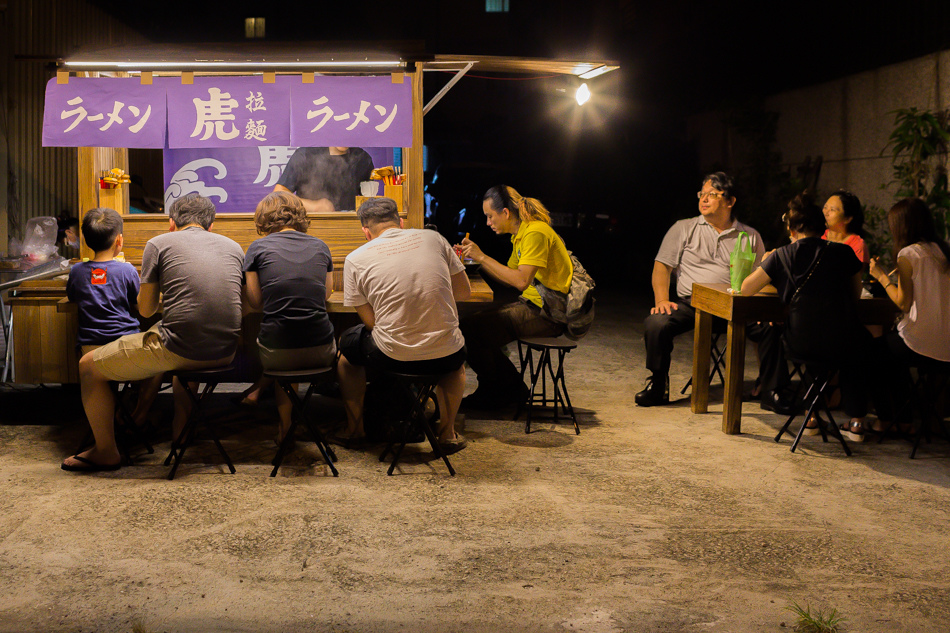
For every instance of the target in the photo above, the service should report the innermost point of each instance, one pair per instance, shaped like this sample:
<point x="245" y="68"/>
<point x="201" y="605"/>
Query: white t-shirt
<point x="405" y="276"/>
<point x="926" y="326"/>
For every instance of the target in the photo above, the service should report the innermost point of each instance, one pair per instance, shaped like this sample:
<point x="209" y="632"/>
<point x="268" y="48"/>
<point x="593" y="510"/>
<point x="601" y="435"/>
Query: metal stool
<point x="815" y="398"/>
<point x="210" y="377"/>
<point x="526" y="347"/>
<point x="924" y="397"/>
<point x="416" y="389"/>
<point x="285" y="380"/>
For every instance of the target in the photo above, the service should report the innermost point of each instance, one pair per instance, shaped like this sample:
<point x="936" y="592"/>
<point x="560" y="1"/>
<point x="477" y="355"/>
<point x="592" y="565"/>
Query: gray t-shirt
<point x="405" y="275"/>
<point x="200" y="275"/>
<point x="700" y="254"/>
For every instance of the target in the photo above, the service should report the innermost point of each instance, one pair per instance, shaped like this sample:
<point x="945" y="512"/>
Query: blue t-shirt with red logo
<point x="105" y="292"/>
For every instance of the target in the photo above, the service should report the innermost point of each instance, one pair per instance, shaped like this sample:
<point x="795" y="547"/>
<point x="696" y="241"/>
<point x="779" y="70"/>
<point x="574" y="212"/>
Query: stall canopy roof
<point x="320" y="57"/>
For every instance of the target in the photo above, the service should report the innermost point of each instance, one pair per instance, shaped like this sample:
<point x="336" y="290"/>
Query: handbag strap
<point x="811" y="271"/>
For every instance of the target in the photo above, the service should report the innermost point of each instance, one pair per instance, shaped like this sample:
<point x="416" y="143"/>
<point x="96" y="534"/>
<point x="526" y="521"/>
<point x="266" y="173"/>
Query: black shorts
<point x="359" y="348"/>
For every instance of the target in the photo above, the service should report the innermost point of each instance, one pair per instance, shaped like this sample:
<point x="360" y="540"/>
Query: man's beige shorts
<point x="140" y="356"/>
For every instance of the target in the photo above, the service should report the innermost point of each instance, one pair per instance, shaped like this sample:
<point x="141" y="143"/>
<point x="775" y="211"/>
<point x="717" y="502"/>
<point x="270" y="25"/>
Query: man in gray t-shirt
<point x="195" y="278"/>
<point x="698" y="249"/>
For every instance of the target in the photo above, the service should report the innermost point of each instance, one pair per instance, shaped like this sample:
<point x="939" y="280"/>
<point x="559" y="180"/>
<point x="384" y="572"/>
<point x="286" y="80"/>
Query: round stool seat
<point x="202" y="375"/>
<point x="550" y="342"/>
<point x="307" y="374"/>
<point x="432" y="378"/>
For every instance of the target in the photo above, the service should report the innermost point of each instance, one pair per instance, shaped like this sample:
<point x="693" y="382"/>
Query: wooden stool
<point x="526" y="349"/>
<point x="285" y="380"/>
<point x="417" y="389"/>
<point x="210" y="377"/>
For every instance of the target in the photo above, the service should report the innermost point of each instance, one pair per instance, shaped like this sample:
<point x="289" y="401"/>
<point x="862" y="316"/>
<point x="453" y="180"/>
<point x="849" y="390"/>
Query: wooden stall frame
<point x="47" y="323"/>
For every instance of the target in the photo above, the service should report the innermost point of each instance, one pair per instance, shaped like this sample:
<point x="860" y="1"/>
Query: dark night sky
<point x="626" y="152"/>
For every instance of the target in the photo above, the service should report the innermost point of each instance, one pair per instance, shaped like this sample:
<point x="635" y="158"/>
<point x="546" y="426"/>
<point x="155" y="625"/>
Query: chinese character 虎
<point x="273" y="161"/>
<point x="212" y="115"/>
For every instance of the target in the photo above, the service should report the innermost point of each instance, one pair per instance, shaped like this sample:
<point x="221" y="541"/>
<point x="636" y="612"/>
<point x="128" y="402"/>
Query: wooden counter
<point x="341" y="231"/>
<point x="44" y="337"/>
<point x="45" y="322"/>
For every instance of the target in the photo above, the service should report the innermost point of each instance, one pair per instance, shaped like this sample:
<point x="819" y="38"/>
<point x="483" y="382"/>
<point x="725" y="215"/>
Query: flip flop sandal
<point x="86" y="465"/>
<point x="854" y="431"/>
<point x="812" y="430"/>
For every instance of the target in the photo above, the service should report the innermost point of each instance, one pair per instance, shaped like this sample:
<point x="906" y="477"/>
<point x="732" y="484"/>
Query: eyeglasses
<point x="715" y="195"/>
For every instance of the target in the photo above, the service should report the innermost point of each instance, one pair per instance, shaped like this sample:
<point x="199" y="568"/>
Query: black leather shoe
<point x="657" y="392"/>
<point x="776" y="401"/>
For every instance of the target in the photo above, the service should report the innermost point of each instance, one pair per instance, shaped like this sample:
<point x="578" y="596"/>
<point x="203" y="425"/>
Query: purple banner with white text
<point x="351" y="112"/>
<point x="229" y="112"/>
<point x="235" y="179"/>
<point x="99" y="112"/>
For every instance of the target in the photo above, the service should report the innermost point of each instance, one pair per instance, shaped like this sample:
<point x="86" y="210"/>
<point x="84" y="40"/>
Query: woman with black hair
<point x="824" y="327"/>
<point x="844" y="218"/>
<point x="922" y="292"/>
<point x="538" y="255"/>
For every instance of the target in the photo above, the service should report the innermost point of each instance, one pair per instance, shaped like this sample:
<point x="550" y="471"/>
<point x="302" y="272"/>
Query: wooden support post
<point x="412" y="157"/>
<point x="92" y="162"/>
<point x="702" y="346"/>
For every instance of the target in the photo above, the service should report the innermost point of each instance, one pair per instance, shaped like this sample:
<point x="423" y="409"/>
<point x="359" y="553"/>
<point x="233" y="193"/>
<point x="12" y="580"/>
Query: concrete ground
<point x="649" y="520"/>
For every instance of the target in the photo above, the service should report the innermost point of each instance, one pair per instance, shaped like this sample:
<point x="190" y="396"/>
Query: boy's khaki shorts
<point x="140" y="356"/>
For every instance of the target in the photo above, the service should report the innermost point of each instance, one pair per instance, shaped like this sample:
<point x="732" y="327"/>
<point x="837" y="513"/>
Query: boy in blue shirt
<point x="106" y="291"/>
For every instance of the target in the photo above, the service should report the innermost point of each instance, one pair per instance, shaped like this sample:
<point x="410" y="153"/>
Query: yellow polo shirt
<point x="536" y="244"/>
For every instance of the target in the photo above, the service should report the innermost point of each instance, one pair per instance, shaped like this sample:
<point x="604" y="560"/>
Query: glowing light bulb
<point x="582" y="95"/>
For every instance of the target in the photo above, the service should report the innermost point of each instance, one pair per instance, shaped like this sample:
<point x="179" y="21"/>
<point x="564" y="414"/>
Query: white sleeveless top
<point x="926" y="326"/>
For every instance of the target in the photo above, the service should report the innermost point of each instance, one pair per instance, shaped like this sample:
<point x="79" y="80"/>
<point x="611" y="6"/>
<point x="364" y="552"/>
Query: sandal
<point x="812" y="426"/>
<point x="853" y="430"/>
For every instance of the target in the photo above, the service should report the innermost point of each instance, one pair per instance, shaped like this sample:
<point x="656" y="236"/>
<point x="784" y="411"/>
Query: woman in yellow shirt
<point x="538" y="254"/>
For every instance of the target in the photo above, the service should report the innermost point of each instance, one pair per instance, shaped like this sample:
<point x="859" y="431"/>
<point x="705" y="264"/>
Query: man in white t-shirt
<point x="404" y="284"/>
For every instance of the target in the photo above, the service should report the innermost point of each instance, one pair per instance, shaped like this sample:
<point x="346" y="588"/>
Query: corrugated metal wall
<point x="43" y="179"/>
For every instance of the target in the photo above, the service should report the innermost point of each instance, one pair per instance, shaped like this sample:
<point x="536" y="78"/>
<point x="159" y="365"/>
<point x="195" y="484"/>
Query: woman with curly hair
<point x="289" y="277"/>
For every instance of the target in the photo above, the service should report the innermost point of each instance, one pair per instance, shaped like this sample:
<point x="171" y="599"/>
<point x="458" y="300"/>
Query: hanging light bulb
<point x="582" y="95"/>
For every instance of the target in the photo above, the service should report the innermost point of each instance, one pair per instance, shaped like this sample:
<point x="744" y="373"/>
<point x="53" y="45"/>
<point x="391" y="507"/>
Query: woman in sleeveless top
<point x="922" y="292"/>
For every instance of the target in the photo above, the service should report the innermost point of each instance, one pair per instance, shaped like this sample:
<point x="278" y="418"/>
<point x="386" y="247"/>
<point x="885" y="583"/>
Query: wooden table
<point x="711" y="300"/>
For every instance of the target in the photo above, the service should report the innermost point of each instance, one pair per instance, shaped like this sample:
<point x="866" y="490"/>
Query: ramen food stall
<point x="202" y="106"/>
